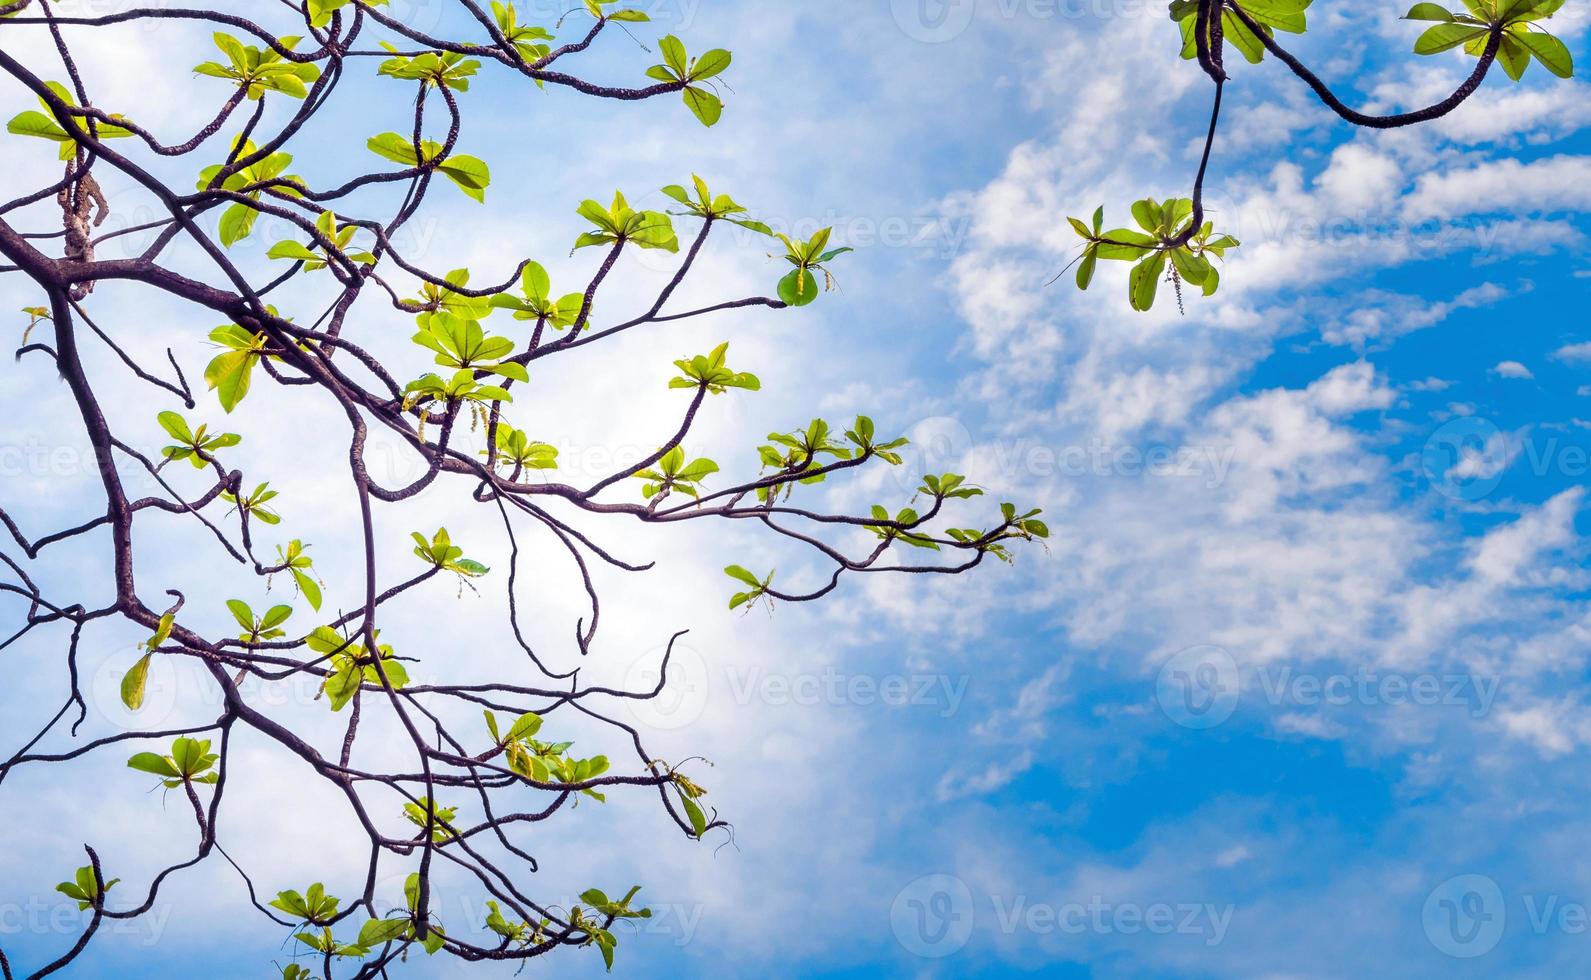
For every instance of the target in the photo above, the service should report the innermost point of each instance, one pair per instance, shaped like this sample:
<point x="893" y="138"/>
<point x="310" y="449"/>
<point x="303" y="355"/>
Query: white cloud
<point x="1574" y="353"/>
<point x="1512" y="369"/>
<point x="1554" y="185"/>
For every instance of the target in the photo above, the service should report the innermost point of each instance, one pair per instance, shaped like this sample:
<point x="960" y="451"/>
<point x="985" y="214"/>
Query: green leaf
<point x="1085" y="269"/>
<point x="228" y="375"/>
<point x="37" y="124"/>
<point x="1429" y="11"/>
<point x="134" y="682"/>
<point x="1443" y="37"/>
<point x="175" y="425"/>
<point x="525" y="726"/>
<point x="698" y="819"/>
<point x="1145" y="281"/>
<point x="470" y="174"/>
<point x="241" y="612"/>
<point x="673" y="50"/>
<point x="1513" y="56"/>
<point x="309" y="587"/>
<point x="707" y="106"/>
<point x="155" y="765"/>
<point x="799" y="288"/>
<point x="378" y="932"/>
<point x="1548" y="50"/>
<point x="712" y="63"/>
<point x="276" y="616"/>
<point x="237" y="222"/>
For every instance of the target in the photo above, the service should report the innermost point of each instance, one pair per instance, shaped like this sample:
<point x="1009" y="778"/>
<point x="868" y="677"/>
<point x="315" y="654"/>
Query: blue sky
<point x="1361" y="553"/>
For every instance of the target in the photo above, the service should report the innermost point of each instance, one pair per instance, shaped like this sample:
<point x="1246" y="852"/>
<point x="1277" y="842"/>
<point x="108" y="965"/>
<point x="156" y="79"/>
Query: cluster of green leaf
<point x="444" y="554"/>
<point x="679" y="67"/>
<point x="606" y="910"/>
<point x="536" y="301"/>
<point x="904" y="526"/>
<point x="444" y="69"/>
<point x="1165" y="226"/>
<point x="756" y="587"/>
<point x="197" y="446"/>
<point x="530" y="41"/>
<point x="862" y="434"/>
<point x="423" y="813"/>
<point x="190" y="762"/>
<point x="1522" y="38"/>
<point x="940" y="487"/>
<point x="461" y="388"/>
<point x="622" y="223"/>
<point x="260" y="70"/>
<point x="1026" y="527"/>
<point x="514" y="933"/>
<point x="709" y="371"/>
<point x="907" y="518"/>
<point x="237" y="221"/>
<point x="673" y="473"/>
<point x="83" y="889"/>
<point x="317" y="909"/>
<point x="434" y="297"/>
<point x="257" y="629"/>
<point x="707" y="206"/>
<point x="602" y="909"/>
<point x="230" y="373"/>
<point x="517" y="451"/>
<point x="36" y="316"/>
<point x="462" y="344"/>
<point x="803" y="451"/>
<point x="252" y="506"/>
<point x="42" y="125"/>
<point x="543" y="762"/>
<point x="295" y="562"/>
<point x="1271" y="15"/>
<point x="470" y="174"/>
<point x="314" y="907"/>
<point x="315" y="255"/>
<point x="800" y="286"/>
<point x="353" y="666"/>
